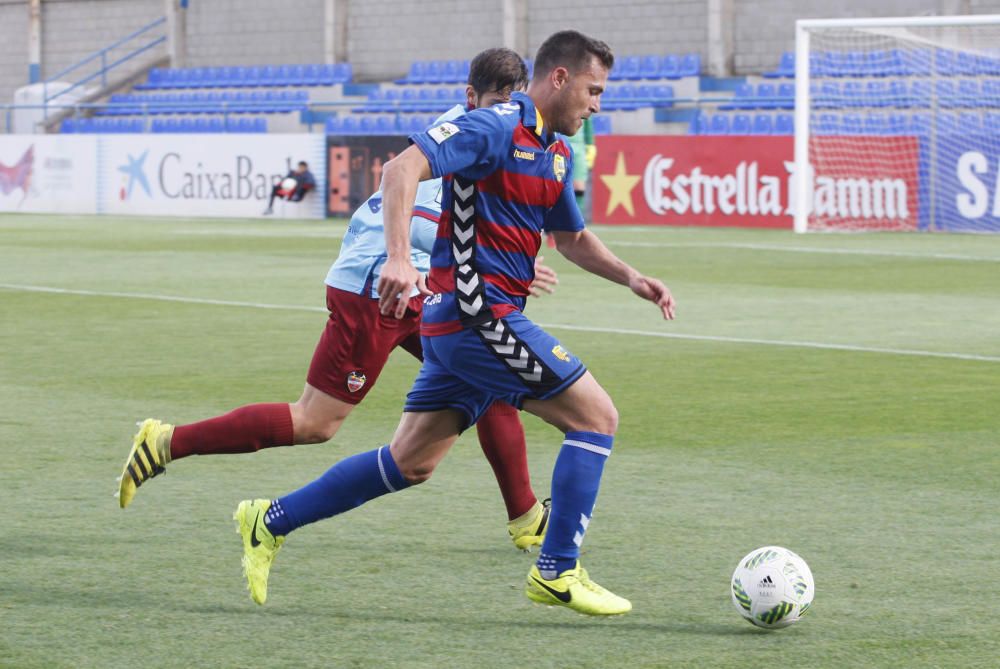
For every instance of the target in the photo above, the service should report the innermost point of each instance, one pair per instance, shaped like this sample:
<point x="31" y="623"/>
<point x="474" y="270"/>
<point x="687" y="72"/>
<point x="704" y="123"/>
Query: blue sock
<point x="575" y="482"/>
<point x="348" y="484"/>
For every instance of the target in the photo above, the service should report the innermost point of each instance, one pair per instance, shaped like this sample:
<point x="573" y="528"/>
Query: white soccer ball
<point x="772" y="587"/>
<point x="288" y="184"/>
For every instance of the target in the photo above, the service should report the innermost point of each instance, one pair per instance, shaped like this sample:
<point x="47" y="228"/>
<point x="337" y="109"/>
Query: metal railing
<point x="100" y="58"/>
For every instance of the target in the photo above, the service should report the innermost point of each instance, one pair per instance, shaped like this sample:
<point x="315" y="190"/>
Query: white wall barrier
<point x="161" y="175"/>
<point x="48" y="174"/>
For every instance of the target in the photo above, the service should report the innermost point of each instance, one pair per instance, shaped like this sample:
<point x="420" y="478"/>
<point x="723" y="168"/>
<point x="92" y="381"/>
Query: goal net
<point x="897" y="124"/>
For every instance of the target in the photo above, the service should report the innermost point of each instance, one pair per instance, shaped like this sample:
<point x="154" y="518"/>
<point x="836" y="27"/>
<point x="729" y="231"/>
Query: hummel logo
<point x="563" y="597"/>
<point x="254" y="541"/>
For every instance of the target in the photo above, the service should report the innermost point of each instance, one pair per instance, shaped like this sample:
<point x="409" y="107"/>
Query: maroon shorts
<point x="356" y="343"/>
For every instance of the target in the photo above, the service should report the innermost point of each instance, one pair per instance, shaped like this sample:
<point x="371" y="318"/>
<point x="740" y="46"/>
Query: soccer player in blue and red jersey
<point x="507" y="177"/>
<point x="355" y="345"/>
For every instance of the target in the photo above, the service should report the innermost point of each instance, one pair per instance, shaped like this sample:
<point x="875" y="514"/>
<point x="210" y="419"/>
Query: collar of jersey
<point x="532" y="118"/>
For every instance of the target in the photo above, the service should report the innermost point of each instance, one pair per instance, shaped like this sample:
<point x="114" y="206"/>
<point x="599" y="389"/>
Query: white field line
<point x="804" y="249"/>
<point x="554" y="326"/>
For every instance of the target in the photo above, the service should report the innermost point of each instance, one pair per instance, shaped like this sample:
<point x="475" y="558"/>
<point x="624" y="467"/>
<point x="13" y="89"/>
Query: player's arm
<point x="400" y="178"/>
<point x="585" y="249"/>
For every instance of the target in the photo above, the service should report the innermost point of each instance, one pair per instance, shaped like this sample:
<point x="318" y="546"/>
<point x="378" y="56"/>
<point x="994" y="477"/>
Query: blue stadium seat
<point x="445" y="98"/>
<point x="452" y="72"/>
<point x="631" y="66"/>
<point x="784" y="124"/>
<point x="649" y="68"/>
<point x="718" y="124"/>
<point x="664" y="95"/>
<point x="946" y="92"/>
<point x="835" y="63"/>
<point x="852" y="124"/>
<point x="201" y="125"/>
<point x="332" y="125"/>
<point x="920" y="124"/>
<point x="898" y="94"/>
<point x="828" y="96"/>
<point x="881" y="64"/>
<point x="158" y="126"/>
<point x="969" y="94"/>
<point x="743" y="98"/>
<point x="343" y="73"/>
<point x="944" y="62"/>
<point x="690" y="65"/>
<point x="970" y="123"/>
<point x="991" y="123"/>
<point x="766" y="96"/>
<point x="853" y="94"/>
<point x="877" y="94"/>
<point x="762" y="124"/>
<point x="435" y="72"/>
<point x="385" y="125"/>
<point x="818" y="66"/>
<point x="602" y="124"/>
<point x="670" y="67"/>
<point x="988" y="63"/>
<point x="367" y="125"/>
<point x="259" y="125"/>
<point x="786" y="96"/>
<point x="897" y="124"/>
<point x="699" y="124"/>
<point x="786" y="67"/>
<point x="915" y="62"/>
<point x="946" y="124"/>
<point x="920" y="93"/>
<point x="991" y="93"/>
<point x="416" y="75"/>
<point x="311" y="75"/>
<point x="426" y="98"/>
<point x="876" y="124"/>
<point x="740" y="125"/>
<point x="216" y="125"/>
<point x="825" y="124"/>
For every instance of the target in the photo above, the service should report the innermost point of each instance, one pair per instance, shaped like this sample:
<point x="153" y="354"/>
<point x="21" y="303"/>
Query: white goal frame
<point x="802" y="28"/>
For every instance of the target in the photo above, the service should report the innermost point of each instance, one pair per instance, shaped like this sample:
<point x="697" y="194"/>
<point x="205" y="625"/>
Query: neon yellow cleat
<point x="148" y="458"/>
<point x="259" y="545"/>
<point x="574" y="589"/>
<point x="529" y="529"/>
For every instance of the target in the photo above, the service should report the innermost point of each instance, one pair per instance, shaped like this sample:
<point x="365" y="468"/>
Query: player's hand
<point x="545" y="279"/>
<point x="656" y="292"/>
<point x="398" y="278"/>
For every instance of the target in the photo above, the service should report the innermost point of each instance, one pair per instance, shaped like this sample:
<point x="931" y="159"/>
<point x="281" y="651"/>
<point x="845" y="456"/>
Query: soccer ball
<point x="772" y="587"/>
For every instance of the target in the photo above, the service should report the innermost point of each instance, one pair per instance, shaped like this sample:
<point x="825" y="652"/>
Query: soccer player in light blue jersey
<point x="355" y="345"/>
<point x="507" y="177"/>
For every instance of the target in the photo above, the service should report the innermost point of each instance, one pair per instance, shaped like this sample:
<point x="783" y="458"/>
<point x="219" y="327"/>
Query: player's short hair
<point x="497" y="70"/>
<point x="303" y="163"/>
<point x="572" y="50"/>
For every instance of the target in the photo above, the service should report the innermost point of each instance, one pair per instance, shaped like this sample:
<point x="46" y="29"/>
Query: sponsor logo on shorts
<point x="442" y="132"/>
<point x="560" y="353"/>
<point x="355" y="381"/>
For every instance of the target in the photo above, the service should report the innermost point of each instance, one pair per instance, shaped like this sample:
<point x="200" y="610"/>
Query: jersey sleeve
<point x="426" y="215"/>
<point x="565" y="216"/>
<point x="474" y="143"/>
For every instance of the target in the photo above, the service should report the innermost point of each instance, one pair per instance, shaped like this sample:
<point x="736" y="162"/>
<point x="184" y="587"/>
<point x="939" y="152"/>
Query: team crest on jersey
<point x="559" y="166"/>
<point x="558" y="350"/>
<point x="355" y="381"/>
<point x="442" y="132"/>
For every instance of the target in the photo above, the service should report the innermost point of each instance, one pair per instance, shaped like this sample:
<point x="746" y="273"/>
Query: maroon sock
<point x="242" y="430"/>
<point x="502" y="437"/>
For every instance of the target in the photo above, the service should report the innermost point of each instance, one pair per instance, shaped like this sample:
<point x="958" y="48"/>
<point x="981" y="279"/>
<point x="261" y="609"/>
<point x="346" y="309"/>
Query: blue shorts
<point x="509" y="359"/>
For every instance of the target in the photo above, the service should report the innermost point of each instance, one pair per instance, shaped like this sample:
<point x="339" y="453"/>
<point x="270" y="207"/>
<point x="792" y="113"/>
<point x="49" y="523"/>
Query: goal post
<point x="897" y="124"/>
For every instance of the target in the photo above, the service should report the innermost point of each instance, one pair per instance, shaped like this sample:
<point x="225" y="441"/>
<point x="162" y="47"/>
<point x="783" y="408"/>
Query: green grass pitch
<point x="838" y="395"/>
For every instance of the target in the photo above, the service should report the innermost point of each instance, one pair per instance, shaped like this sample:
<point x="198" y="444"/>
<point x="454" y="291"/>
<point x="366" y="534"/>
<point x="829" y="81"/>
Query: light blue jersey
<point x="362" y="253"/>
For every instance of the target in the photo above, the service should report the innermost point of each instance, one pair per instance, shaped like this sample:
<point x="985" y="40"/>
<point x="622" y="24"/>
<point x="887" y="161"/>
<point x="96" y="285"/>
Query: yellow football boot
<point x="574" y="589"/>
<point x="529" y="529"/>
<point x="259" y="545"/>
<point x="148" y="458"/>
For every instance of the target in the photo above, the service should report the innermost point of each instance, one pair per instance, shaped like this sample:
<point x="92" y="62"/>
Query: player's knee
<point x="607" y="418"/>
<point x="415" y="473"/>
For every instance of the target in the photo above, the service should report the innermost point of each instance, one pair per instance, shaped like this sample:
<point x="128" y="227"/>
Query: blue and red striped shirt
<point x="505" y="179"/>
